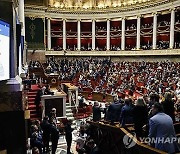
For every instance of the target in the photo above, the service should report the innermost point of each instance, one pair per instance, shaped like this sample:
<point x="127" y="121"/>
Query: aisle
<point x="61" y="149"/>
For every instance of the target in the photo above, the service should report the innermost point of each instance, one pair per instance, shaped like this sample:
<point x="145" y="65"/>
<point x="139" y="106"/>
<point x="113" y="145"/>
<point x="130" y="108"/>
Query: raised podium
<point x="58" y="101"/>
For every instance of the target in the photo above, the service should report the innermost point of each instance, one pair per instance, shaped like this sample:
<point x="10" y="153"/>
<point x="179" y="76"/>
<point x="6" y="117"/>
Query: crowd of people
<point x="152" y="118"/>
<point x="157" y="82"/>
<point x="44" y="136"/>
<point x="49" y="130"/>
<point x="42" y="133"/>
<point x="104" y="75"/>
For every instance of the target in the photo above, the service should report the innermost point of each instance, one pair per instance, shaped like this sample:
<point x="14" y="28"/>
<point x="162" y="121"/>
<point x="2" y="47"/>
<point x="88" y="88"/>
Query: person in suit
<point x="168" y="105"/>
<point x="161" y="127"/>
<point x="114" y="111"/>
<point x="97" y="112"/>
<point x="126" y="116"/>
<point x="68" y="135"/>
<point x="52" y="116"/>
<point x="106" y="111"/>
<point x="38" y="100"/>
<point x="54" y="136"/>
<point x="140" y="116"/>
<point x="46" y="128"/>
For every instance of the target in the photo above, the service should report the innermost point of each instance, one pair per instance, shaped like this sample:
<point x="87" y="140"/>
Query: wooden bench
<point x="112" y="139"/>
<point x="96" y="96"/>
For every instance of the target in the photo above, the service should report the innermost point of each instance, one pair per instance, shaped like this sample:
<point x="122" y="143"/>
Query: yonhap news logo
<point x="130" y="140"/>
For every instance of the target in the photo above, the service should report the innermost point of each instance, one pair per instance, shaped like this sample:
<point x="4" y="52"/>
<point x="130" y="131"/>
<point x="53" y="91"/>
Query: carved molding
<point x="104" y="13"/>
<point x="116" y="53"/>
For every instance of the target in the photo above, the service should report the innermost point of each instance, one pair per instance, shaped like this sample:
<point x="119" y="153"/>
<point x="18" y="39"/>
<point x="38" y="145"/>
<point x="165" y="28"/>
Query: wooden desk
<point x="85" y="94"/>
<point x="97" y="96"/>
<point x="70" y="86"/>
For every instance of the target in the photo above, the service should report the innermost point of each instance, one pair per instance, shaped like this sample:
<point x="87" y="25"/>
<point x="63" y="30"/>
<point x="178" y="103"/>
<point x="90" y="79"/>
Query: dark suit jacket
<point x="96" y="113"/>
<point x="169" y="108"/>
<point x="38" y="97"/>
<point x="126" y="116"/>
<point x="114" y="112"/>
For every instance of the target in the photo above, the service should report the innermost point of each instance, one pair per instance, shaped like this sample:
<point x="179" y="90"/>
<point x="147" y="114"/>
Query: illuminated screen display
<point x="4" y="50"/>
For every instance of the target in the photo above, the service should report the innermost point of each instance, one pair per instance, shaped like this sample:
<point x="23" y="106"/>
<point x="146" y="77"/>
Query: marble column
<point x="22" y="58"/>
<point x="49" y="34"/>
<point x="14" y="51"/>
<point x="64" y="34"/>
<point x="138" y="38"/>
<point x="123" y="35"/>
<point x="108" y="35"/>
<point x="93" y="35"/>
<point x="79" y="35"/>
<point x="171" y="45"/>
<point x="21" y="16"/>
<point x="154" y="30"/>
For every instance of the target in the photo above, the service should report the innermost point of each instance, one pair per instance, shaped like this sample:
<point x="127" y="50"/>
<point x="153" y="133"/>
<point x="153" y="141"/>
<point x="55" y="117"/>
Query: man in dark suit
<point x="54" y="136"/>
<point x="68" y="135"/>
<point x="97" y="112"/>
<point x="161" y="127"/>
<point x="46" y="128"/>
<point x="114" y="111"/>
<point x="126" y="116"/>
<point x="38" y="100"/>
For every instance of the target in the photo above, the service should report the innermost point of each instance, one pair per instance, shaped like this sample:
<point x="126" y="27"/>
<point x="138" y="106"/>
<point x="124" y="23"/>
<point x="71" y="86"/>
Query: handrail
<point x="117" y="136"/>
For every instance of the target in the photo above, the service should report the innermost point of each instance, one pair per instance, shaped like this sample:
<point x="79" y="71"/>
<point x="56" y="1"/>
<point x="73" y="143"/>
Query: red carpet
<point x="83" y="112"/>
<point x="31" y="105"/>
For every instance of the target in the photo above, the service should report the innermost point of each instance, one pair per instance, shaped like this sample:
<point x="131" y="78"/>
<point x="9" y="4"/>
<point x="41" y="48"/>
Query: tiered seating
<point x="81" y="113"/>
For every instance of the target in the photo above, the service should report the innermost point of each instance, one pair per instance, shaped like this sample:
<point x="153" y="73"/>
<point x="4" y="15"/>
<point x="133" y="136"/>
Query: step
<point x="33" y="90"/>
<point x="69" y="114"/>
<point x="70" y="106"/>
<point x="30" y="107"/>
<point x="36" y="118"/>
<point x="31" y="103"/>
<point x="32" y="112"/>
<point x="33" y="116"/>
<point x="31" y="96"/>
<point x="32" y="93"/>
<point x="68" y="111"/>
<point x="31" y="99"/>
<point x="34" y="87"/>
<point x="70" y="118"/>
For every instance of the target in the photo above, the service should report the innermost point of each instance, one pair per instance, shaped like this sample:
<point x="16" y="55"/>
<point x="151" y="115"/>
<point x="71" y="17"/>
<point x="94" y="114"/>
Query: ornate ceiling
<point x="96" y="4"/>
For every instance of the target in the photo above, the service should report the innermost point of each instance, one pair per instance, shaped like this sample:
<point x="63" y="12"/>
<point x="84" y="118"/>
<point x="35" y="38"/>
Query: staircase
<point x="69" y="114"/>
<point x="31" y="102"/>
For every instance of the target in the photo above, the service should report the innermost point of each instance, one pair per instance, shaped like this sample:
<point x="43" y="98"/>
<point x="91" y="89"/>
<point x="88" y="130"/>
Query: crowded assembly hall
<point x="89" y="76"/>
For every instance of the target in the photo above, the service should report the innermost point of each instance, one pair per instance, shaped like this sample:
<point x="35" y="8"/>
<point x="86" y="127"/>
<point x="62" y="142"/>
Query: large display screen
<point x="4" y="50"/>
